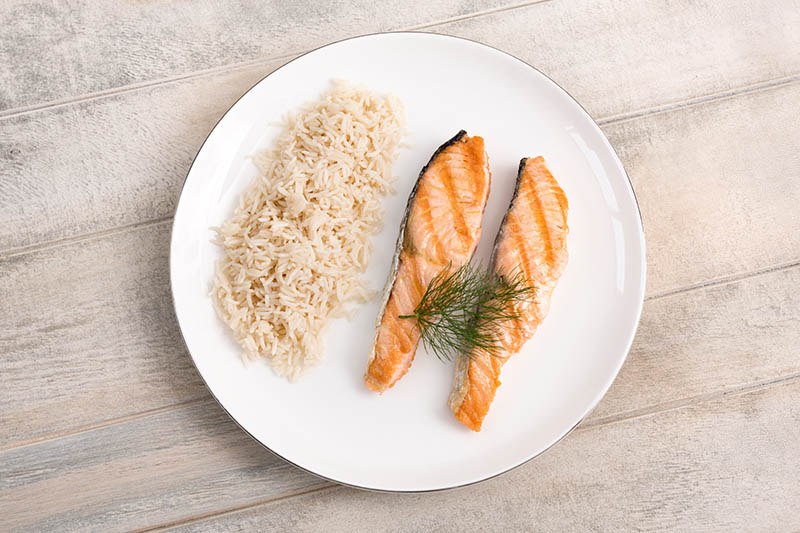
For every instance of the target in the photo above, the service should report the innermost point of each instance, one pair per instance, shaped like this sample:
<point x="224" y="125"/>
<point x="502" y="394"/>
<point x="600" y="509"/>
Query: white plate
<point x="407" y="439"/>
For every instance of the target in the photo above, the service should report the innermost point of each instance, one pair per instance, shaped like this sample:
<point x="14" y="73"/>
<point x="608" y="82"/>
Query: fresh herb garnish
<point x="463" y="310"/>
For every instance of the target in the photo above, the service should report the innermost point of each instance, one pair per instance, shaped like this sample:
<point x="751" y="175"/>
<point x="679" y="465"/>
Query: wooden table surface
<point x="106" y="425"/>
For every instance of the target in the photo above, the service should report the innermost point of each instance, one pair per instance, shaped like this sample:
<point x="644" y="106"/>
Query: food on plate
<point x="299" y="240"/>
<point x="461" y="310"/>
<point x="440" y="230"/>
<point x="531" y="243"/>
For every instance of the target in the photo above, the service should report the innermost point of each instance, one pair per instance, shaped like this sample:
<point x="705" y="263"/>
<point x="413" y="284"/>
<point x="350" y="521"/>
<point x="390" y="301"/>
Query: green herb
<point x="463" y="310"/>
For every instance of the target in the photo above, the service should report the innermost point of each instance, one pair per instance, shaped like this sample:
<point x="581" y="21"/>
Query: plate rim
<point x="513" y="467"/>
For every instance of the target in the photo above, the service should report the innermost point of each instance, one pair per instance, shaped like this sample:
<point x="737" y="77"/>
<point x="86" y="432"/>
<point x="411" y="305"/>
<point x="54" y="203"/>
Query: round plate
<point x="407" y="439"/>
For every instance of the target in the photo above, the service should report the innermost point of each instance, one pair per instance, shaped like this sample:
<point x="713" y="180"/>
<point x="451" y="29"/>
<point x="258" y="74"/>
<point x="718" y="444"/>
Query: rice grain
<point x="299" y="241"/>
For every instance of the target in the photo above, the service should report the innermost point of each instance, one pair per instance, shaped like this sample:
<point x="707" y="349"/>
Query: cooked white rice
<point x="299" y="241"/>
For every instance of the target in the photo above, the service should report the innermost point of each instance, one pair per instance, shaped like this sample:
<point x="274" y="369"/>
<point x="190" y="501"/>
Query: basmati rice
<point x="299" y="240"/>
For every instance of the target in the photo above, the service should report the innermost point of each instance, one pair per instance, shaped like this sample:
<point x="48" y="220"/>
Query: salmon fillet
<point x="441" y="229"/>
<point x="532" y="242"/>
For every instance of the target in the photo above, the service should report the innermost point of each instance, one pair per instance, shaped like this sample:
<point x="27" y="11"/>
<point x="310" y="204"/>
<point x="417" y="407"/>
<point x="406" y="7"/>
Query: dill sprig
<point x="463" y="310"/>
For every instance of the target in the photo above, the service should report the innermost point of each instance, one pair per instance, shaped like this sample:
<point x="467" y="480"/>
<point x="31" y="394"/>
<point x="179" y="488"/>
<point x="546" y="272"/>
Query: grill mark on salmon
<point x="459" y="223"/>
<point x="440" y="229"/>
<point x="532" y="241"/>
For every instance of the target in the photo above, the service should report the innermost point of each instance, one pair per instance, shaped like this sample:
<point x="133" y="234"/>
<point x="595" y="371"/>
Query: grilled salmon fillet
<point x="532" y="242"/>
<point x="441" y="229"/>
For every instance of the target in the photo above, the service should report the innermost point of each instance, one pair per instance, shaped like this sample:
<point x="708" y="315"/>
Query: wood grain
<point x="122" y="313"/>
<point x="614" y="48"/>
<point x="58" y="180"/>
<point x="735" y="197"/>
<point x="141" y="472"/>
<point x="715" y="338"/>
<point x="727" y="465"/>
<point x="717" y="185"/>
<point x="108" y="331"/>
<point x="105" y="424"/>
<point x="676" y="469"/>
<point x="105" y="163"/>
<point x="622" y="56"/>
<point x="56" y="50"/>
<point x="87" y="332"/>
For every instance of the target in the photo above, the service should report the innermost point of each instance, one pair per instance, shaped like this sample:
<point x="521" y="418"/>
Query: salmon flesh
<point x="440" y="229"/>
<point x="532" y="243"/>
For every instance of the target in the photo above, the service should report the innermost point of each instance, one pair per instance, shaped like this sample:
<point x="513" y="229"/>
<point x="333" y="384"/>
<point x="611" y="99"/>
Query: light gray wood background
<point x="105" y="424"/>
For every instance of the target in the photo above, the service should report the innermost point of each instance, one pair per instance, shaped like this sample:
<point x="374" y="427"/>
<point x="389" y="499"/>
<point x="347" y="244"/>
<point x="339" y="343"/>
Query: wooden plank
<point x="731" y="464"/>
<point x="715" y="338"/>
<point x="688" y="466"/>
<point x="141" y="472"/>
<point x="620" y="49"/>
<point x="752" y="239"/>
<point x="105" y="163"/>
<point x="717" y="186"/>
<point x="624" y="56"/>
<point x="87" y="332"/>
<point x="95" y="316"/>
<point x="57" y="50"/>
<point x="59" y="179"/>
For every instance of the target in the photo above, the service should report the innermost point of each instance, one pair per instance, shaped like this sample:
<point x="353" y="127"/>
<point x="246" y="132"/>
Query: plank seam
<point x="585" y="426"/>
<point x="134" y="87"/>
<point x="477" y="14"/>
<point x="77" y="430"/>
<point x="94" y="235"/>
<point x="616" y="417"/>
<point x="699" y="100"/>
<point x="649" y="409"/>
<point x="237" y="508"/>
<point x="10" y="252"/>
<point x="691" y="401"/>
<point x="724" y="280"/>
<point x="231" y="67"/>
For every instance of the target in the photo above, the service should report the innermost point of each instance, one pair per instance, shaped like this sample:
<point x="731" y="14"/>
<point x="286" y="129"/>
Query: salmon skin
<point x="441" y="228"/>
<point x="532" y="243"/>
